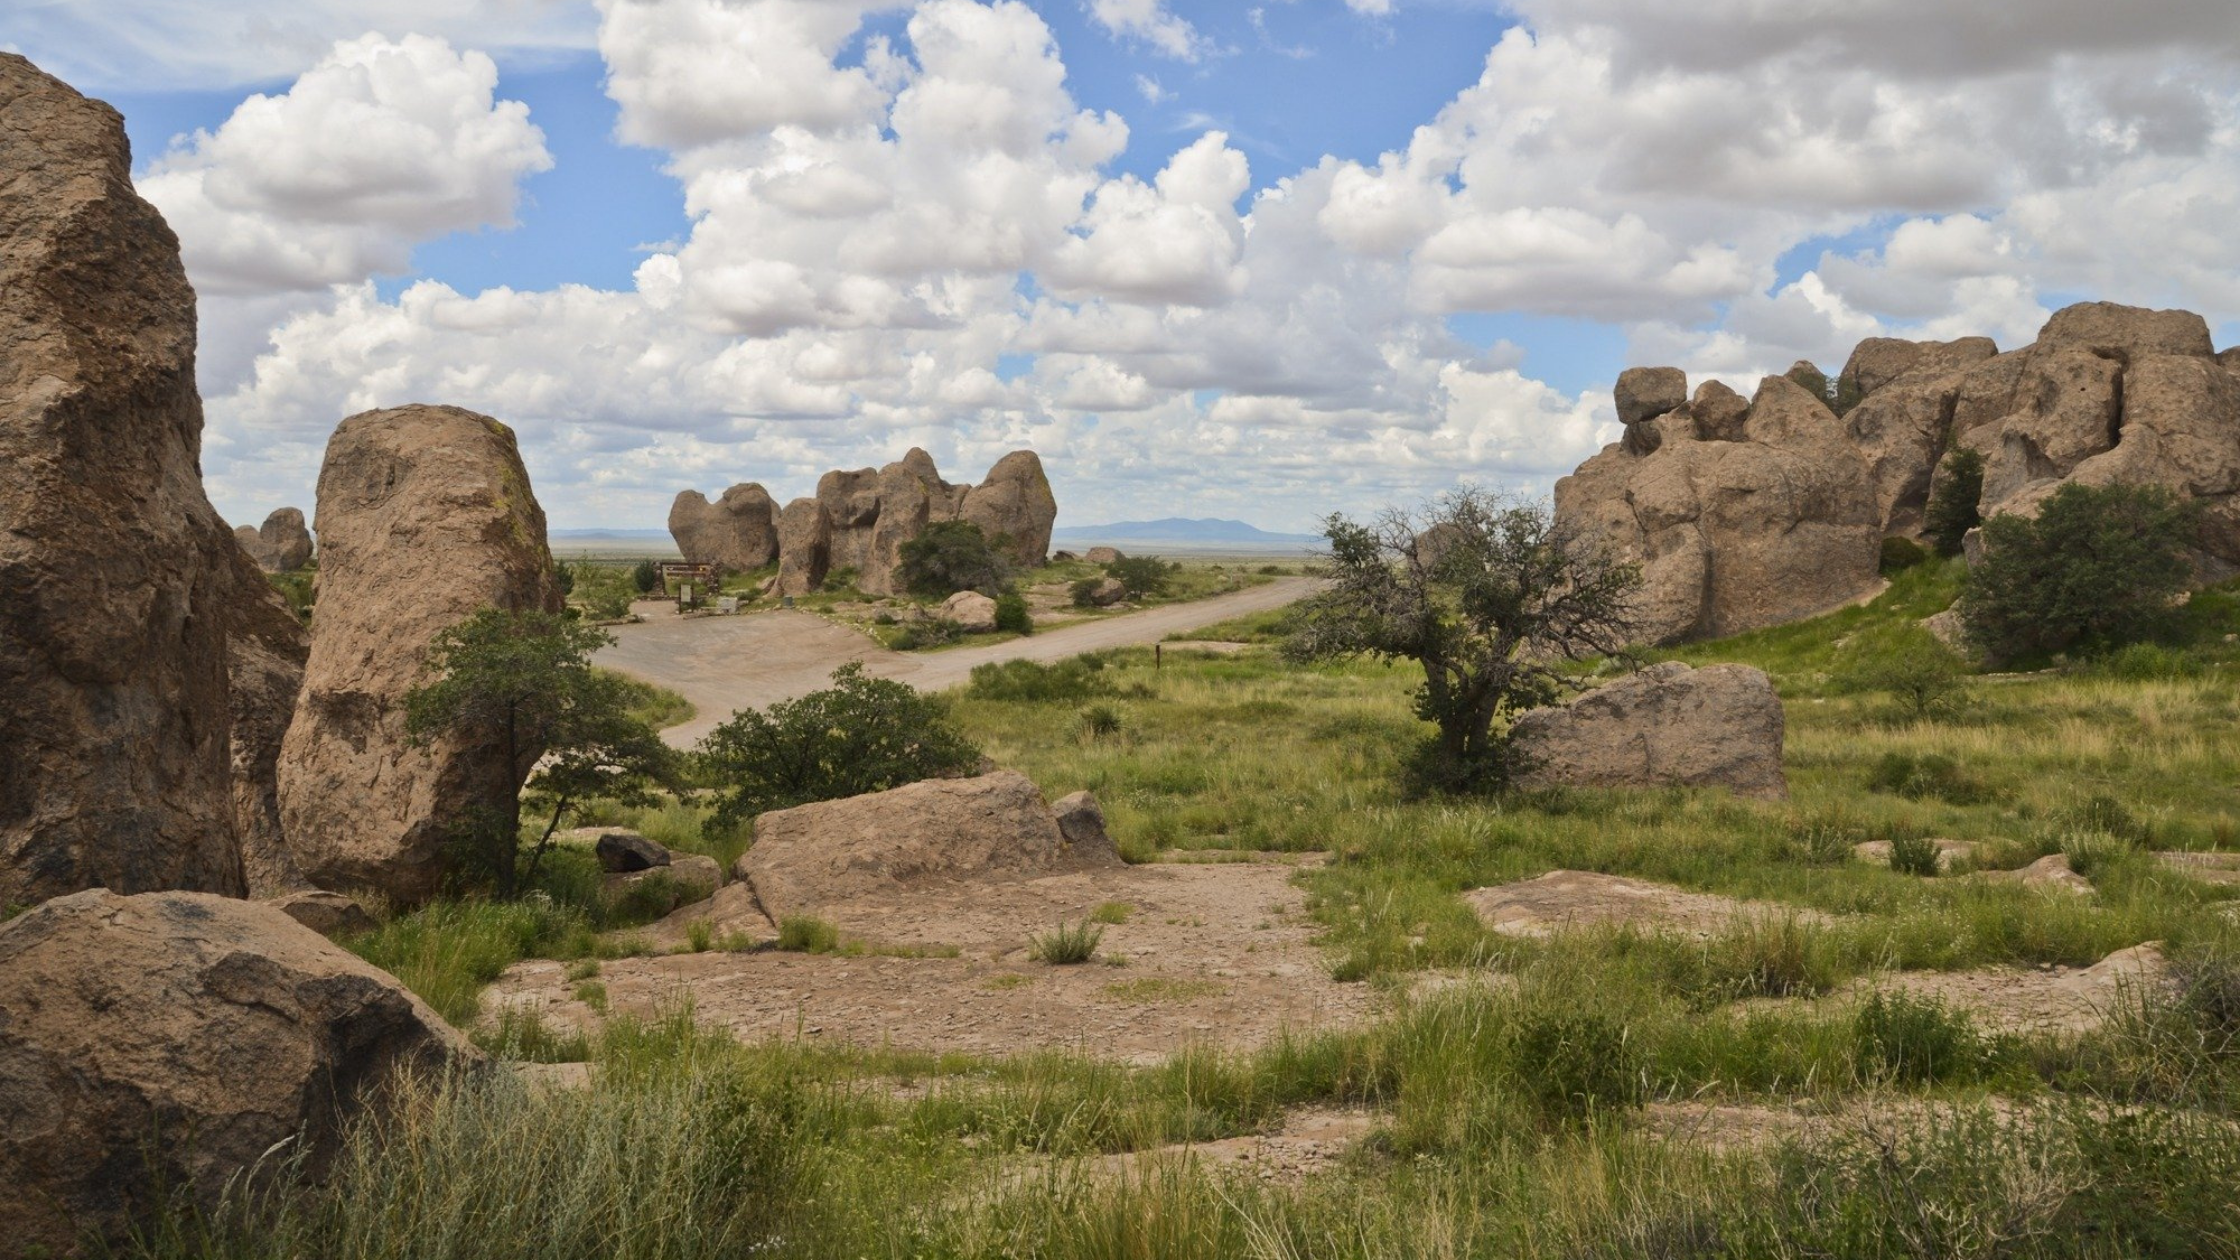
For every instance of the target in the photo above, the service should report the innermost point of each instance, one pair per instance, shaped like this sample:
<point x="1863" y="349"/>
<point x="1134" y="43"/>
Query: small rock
<point x="330" y="914"/>
<point x="2051" y="873"/>
<point x="1081" y="822"/>
<point x="620" y="851"/>
<point x="972" y="611"/>
<point x="1107" y="592"/>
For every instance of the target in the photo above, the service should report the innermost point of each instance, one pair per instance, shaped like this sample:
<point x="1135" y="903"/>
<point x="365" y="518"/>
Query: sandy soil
<point x="1216" y="953"/>
<point x="1567" y="899"/>
<point x="724" y="664"/>
<point x="2018" y="999"/>
<point x="1310" y="1140"/>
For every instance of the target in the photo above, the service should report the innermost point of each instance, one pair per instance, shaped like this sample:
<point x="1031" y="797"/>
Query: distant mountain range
<point x="1176" y="531"/>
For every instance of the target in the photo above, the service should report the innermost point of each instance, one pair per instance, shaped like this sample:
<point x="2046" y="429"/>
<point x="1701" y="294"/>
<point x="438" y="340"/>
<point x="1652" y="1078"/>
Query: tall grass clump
<point x="1067" y="944"/>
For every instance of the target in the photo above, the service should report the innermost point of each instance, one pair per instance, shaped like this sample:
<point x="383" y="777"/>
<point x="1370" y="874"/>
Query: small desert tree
<point x="521" y="685"/>
<point x="2098" y="567"/>
<point x="1489" y="597"/>
<point x="1952" y="510"/>
<point x="858" y="735"/>
<point x="952" y="556"/>
<point x="1142" y="575"/>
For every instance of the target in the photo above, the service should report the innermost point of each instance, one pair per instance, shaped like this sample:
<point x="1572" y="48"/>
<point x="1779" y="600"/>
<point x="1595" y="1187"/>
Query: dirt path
<point x="724" y="664"/>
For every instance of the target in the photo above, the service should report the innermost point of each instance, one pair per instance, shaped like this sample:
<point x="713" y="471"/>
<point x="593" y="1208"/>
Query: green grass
<point x="1516" y="1110"/>
<point x="1066" y="945"/>
<point x="657" y="707"/>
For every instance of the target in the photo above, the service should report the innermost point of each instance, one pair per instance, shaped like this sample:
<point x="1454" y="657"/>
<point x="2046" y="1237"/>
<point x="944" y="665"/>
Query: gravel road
<point x="724" y="664"/>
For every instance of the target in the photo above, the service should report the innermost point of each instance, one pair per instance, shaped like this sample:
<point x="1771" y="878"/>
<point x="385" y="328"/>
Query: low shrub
<point x="1067" y="944"/>
<point x="1926" y="775"/>
<point x="1100" y="720"/>
<point x="1913" y="855"/>
<point x="804" y="934"/>
<point x="1067" y="681"/>
<point x="1900" y="554"/>
<point x="1912" y="1040"/>
<point x="1012" y="615"/>
<point x="1142" y="575"/>
<point x="1578" y="1063"/>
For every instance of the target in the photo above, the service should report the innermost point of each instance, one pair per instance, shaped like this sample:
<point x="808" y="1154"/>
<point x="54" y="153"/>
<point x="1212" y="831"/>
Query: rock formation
<point x="738" y="533"/>
<point x="114" y="569"/>
<point x="971" y="610"/>
<point x="1749" y="514"/>
<point x="266" y="648"/>
<point x="281" y="545"/>
<point x="1669" y="725"/>
<point x="164" y="1043"/>
<point x="992" y="827"/>
<point x="425" y="517"/>
<point x="1749" y="517"/>
<point x="860" y="519"/>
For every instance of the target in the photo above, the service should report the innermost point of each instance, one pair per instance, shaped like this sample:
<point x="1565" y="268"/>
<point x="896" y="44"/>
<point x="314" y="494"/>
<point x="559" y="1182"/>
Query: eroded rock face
<point x="738" y="533"/>
<point x="221" y="1027"/>
<point x="1014" y="504"/>
<point x="804" y="546"/>
<point x="940" y="832"/>
<point x="425" y="517"/>
<point x="266" y="649"/>
<point x="1770" y="524"/>
<point x="1668" y="725"/>
<point x="114" y="569"/>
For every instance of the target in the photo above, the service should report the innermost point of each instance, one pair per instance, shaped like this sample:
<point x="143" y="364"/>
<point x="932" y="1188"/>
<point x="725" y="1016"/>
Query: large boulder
<point x="1908" y="392"/>
<point x="114" y="568"/>
<point x="1668" y="725"/>
<point x="266" y="649"/>
<point x="912" y="495"/>
<point x="972" y="611"/>
<point x="804" y="546"/>
<point x="163" y="1044"/>
<point x="738" y="533"/>
<point x="281" y="545"/>
<point x="425" y="517"/>
<point x="940" y="833"/>
<point x="1015" y="507"/>
<point x="1768" y="521"/>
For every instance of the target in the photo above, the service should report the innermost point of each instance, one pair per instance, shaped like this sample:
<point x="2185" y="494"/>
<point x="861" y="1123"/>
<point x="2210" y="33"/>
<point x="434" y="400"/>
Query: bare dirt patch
<point x="1310" y="1140"/>
<point x="2050" y="998"/>
<point x="1583" y="899"/>
<point x="1226" y="948"/>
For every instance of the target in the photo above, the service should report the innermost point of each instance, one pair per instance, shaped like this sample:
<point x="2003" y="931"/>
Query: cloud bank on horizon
<point x="906" y="228"/>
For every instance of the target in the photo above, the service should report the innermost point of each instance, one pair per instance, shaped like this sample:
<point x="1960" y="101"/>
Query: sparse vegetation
<point x="1067" y="945"/>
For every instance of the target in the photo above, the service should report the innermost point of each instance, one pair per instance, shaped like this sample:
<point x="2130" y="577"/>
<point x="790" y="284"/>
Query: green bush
<point x="1100" y="720"/>
<point x="1068" y="681"/>
<point x="1142" y="575"/>
<point x="1952" y="509"/>
<point x="2097" y="568"/>
<point x="859" y="735"/>
<point x="646" y="577"/>
<point x="1900" y="554"/>
<point x="1917" y="1041"/>
<point x="1012" y="615"/>
<point x="1578" y="1063"/>
<point x="1084" y="592"/>
<point x="1923" y="675"/>
<point x="1913" y="855"/>
<point x="802" y="934"/>
<point x="952" y="556"/>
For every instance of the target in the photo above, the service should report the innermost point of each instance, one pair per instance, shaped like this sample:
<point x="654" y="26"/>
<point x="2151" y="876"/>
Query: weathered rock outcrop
<point x="281" y="545"/>
<point x="1015" y="504"/>
<point x="738" y="533"/>
<point x="1739" y="521"/>
<point x="163" y="1043"/>
<point x="1744" y="515"/>
<point x="266" y="648"/>
<point x="425" y="517"/>
<point x="860" y="519"/>
<point x="1668" y="725"/>
<point x="114" y="569"/>
<point x="940" y="832"/>
<point x="971" y="611"/>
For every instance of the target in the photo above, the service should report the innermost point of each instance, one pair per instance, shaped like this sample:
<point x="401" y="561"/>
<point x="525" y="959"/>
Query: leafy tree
<point x="1922" y="674"/>
<point x="646" y="577"/>
<point x="1142" y="575"/>
<point x="1952" y="509"/>
<point x="2099" y="567"/>
<point x="565" y="574"/>
<point x="952" y="556"/>
<point x="521" y="684"/>
<point x="1489" y="597"/>
<point x="859" y="735"/>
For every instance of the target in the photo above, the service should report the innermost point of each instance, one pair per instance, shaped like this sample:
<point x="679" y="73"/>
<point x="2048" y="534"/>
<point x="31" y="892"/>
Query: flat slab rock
<point x="1219" y="954"/>
<point x="1558" y="900"/>
<point x="2027" y="999"/>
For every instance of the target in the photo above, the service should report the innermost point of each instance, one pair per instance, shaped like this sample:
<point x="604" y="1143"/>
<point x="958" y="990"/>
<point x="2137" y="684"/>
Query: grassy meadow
<point x="1517" y="1102"/>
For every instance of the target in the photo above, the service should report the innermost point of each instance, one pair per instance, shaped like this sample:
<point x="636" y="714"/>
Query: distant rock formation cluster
<point x="281" y="545"/>
<point x="1750" y="514"/>
<point x="860" y="519"/>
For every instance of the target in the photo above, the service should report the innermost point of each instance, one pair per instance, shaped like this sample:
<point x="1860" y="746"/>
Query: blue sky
<point x="1350" y="251"/>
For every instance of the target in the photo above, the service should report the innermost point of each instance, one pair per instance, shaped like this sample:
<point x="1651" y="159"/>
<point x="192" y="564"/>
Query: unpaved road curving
<point x="724" y="664"/>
